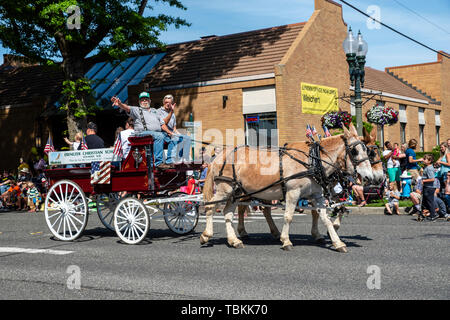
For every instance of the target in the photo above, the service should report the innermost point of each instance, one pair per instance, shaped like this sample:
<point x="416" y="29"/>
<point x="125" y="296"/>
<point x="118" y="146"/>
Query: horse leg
<point x="337" y="243"/>
<point x="241" y="227"/>
<point x="338" y="220"/>
<point x="208" y="232"/>
<point x="231" y="235"/>
<point x="291" y="202"/>
<point x="273" y="228"/>
<point x="315" y="228"/>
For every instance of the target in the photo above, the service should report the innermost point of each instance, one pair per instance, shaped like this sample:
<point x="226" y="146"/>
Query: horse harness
<point x="315" y="170"/>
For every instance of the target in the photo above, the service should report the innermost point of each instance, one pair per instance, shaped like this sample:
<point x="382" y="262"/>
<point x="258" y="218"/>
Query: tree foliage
<point x="66" y="32"/>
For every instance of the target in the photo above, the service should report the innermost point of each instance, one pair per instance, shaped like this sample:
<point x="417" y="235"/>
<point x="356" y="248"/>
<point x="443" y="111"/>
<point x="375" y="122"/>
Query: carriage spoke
<point x="79" y="221"/>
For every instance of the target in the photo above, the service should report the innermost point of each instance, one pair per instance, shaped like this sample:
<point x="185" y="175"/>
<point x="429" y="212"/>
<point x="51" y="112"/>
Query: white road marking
<point x="27" y="250"/>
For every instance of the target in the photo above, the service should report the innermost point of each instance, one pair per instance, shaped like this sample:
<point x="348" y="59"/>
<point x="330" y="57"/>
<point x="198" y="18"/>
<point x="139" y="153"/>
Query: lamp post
<point x="356" y="50"/>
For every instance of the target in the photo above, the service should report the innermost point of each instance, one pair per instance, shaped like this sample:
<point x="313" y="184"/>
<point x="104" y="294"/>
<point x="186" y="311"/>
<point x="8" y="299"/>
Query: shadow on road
<point x="264" y="239"/>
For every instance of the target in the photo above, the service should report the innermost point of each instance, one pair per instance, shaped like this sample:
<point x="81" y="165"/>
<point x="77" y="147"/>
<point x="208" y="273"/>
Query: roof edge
<point x="412" y="65"/>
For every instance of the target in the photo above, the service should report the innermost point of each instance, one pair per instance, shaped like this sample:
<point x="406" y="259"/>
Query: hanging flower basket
<point x="382" y="115"/>
<point x="335" y="119"/>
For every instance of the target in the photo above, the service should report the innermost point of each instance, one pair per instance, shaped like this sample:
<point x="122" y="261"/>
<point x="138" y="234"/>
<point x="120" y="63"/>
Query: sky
<point x="426" y="21"/>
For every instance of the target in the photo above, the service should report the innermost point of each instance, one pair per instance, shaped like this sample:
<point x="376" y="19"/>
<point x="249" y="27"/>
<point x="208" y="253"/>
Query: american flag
<point x="83" y="144"/>
<point x="101" y="172"/>
<point x="314" y="131"/>
<point x="308" y="131"/>
<point x="118" y="147"/>
<point x="327" y="133"/>
<point x="49" y="146"/>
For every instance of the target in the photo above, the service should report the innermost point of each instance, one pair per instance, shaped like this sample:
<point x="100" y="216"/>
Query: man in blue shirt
<point x="411" y="164"/>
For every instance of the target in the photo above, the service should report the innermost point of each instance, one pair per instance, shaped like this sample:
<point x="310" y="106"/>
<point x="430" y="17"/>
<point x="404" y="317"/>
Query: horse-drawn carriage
<point x="150" y="192"/>
<point x="297" y="170"/>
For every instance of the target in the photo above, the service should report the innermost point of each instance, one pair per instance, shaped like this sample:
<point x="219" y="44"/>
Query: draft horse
<point x="287" y="173"/>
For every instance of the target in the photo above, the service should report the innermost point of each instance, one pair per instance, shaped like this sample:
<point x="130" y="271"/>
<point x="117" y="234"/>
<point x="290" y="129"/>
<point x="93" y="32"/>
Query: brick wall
<point x="315" y="57"/>
<point x="426" y="77"/>
<point x="17" y="134"/>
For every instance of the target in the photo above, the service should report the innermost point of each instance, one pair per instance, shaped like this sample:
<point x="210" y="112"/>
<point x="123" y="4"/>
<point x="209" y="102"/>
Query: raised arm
<point x="116" y="102"/>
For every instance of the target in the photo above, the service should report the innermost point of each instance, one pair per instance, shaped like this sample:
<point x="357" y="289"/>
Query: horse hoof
<point x="288" y="247"/>
<point x="203" y="239"/>
<point x="239" y="245"/>
<point x="321" y="241"/>
<point x="342" y="249"/>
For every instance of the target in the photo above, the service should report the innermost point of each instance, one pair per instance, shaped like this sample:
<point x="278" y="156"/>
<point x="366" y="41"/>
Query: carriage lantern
<point x="356" y="50"/>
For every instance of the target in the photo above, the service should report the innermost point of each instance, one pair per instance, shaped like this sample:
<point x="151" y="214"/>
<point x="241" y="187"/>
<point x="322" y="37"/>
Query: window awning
<point x="113" y="79"/>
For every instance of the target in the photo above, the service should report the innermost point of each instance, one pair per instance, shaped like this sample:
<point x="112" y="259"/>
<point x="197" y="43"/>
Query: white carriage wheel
<point x="131" y="220"/>
<point x="106" y="203"/>
<point x="181" y="216"/>
<point x="66" y="210"/>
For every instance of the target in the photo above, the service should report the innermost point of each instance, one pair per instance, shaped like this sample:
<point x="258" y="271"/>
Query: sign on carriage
<point x="80" y="156"/>
<point x="318" y="99"/>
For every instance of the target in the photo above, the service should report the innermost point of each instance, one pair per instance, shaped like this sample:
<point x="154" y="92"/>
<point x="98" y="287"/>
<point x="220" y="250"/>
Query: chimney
<point x="439" y="55"/>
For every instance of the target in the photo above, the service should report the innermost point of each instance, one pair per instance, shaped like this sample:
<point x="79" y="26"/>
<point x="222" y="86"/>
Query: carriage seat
<point x="143" y="141"/>
<point x="140" y="141"/>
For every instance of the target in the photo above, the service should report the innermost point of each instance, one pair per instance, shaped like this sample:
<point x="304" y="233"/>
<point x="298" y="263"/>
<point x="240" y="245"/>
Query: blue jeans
<point x="178" y="149"/>
<point x="158" y="144"/>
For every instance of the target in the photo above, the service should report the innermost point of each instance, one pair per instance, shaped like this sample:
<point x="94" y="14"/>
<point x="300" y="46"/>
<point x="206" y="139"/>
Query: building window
<point x="261" y="129"/>
<point x="403" y="132"/>
<point x="438" y="138"/>
<point x="421" y="137"/>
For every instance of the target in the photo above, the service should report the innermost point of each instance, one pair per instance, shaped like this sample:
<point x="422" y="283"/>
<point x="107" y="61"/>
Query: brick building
<point x="249" y="80"/>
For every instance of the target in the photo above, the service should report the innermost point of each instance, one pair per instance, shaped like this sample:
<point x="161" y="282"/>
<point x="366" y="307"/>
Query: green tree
<point x="64" y="33"/>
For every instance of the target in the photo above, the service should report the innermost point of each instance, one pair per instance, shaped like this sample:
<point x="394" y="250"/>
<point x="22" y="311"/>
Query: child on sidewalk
<point x="429" y="187"/>
<point x="393" y="198"/>
<point x="34" y="197"/>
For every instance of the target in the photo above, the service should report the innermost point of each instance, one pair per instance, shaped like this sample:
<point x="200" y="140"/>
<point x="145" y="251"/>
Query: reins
<point x="315" y="170"/>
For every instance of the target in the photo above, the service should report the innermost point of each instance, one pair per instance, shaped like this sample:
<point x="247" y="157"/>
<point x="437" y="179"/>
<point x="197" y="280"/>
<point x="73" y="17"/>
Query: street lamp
<point x="356" y="50"/>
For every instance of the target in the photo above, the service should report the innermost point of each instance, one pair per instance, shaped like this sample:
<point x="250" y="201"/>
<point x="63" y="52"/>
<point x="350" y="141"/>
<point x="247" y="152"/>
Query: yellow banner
<point x="318" y="99"/>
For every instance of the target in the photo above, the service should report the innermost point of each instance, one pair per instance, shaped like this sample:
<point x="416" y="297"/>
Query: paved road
<point x="411" y="259"/>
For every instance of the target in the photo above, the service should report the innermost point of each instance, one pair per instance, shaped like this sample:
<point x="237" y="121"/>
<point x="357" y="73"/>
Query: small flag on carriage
<point x="83" y="144"/>
<point x="118" y="148"/>
<point x="49" y="146"/>
<point x="100" y="172"/>
<point x="327" y="133"/>
<point x="314" y="131"/>
<point x="308" y="131"/>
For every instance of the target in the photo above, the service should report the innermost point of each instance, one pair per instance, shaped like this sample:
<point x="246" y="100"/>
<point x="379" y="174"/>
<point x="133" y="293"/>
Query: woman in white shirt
<point x="393" y="165"/>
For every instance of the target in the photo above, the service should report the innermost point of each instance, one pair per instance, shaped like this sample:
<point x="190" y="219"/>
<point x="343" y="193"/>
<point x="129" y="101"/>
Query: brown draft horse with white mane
<point x="378" y="174"/>
<point x="234" y="170"/>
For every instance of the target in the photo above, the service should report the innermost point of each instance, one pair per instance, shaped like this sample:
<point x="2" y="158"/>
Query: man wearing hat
<point x="93" y="141"/>
<point x="146" y="122"/>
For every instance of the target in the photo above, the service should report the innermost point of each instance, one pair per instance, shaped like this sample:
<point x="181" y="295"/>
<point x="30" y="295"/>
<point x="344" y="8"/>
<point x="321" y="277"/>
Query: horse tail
<point x="208" y="188"/>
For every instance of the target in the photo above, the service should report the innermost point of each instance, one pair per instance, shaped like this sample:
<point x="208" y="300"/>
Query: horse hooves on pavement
<point x="288" y="248"/>
<point x="239" y="246"/>
<point x="342" y="249"/>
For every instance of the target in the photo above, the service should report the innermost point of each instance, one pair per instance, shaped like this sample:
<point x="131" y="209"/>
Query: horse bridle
<point x="373" y="151"/>
<point x="352" y="153"/>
